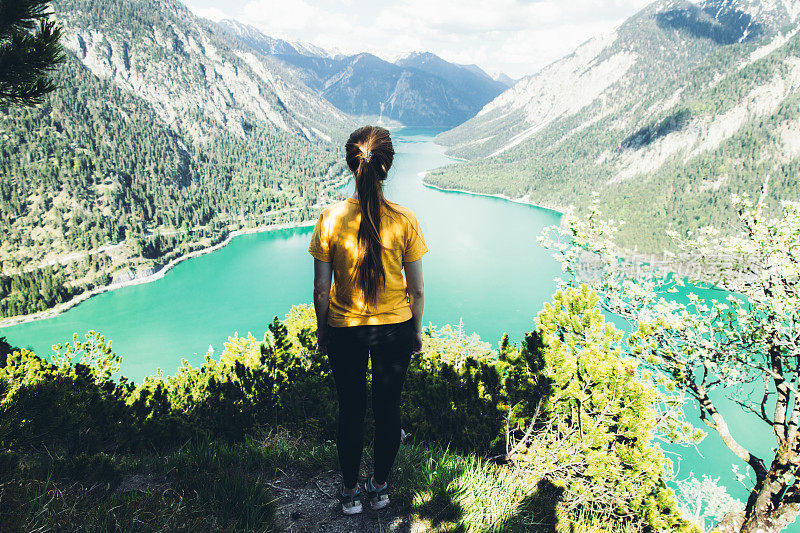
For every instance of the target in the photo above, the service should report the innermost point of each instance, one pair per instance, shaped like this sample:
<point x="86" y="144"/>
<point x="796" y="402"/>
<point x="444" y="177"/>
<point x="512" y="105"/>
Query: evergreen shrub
<point x="563" y="407"/>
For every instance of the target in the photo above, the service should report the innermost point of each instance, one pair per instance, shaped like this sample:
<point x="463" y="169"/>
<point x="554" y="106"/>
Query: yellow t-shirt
<point x="335" y="240"/>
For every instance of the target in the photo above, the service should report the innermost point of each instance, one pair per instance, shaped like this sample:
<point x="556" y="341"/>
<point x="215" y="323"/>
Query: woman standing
<point x="365" y="243"/>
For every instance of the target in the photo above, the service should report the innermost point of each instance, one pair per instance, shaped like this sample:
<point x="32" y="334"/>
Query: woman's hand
<point x="322" y="291"/>
<point x="416" y="294"/>
<point x="322" y="340"/>
<point x="417" y="342"/>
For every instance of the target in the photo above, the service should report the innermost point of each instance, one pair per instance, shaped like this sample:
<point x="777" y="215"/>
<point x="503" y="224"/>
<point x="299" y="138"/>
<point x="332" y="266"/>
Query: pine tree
<point x="5" y="350"/>
<point x="29" y="51"/>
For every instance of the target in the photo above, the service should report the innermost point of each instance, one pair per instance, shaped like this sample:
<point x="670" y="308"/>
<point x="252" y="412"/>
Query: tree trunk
<point x="771" y="522"/>
<point x="766" y="512"/>
<point x="731" y="523"/>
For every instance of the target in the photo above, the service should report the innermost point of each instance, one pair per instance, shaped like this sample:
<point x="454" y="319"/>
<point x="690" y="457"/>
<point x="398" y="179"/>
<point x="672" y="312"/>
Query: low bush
<point x="563" y="408"/>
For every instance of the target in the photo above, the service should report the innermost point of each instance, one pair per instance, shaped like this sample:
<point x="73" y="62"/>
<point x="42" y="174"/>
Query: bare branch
<point x="719" y="425"/>
<point x="758" y="412"/>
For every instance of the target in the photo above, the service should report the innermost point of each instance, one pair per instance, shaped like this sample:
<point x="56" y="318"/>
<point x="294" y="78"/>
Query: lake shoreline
<point x="160" y="273"/>
<point x="683" y="268"/>
<point x="520" y="200"/>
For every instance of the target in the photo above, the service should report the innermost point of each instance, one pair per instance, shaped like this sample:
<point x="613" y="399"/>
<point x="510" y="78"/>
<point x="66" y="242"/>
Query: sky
<point x="517" y="37"/>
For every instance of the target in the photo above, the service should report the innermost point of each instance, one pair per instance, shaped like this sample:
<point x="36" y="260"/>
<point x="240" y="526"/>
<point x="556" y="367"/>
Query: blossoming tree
<point x="746" y="346"/>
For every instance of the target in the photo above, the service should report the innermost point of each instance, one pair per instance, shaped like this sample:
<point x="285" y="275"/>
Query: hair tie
<point x="366" y="155"/>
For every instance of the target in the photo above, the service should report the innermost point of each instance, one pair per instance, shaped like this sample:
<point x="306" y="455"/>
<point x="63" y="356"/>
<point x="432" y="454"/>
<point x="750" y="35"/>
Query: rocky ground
<point x="308" y="504"/>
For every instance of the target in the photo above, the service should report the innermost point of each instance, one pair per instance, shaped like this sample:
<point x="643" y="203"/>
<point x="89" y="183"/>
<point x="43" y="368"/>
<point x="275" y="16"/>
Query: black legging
<point x="389" y="346"/>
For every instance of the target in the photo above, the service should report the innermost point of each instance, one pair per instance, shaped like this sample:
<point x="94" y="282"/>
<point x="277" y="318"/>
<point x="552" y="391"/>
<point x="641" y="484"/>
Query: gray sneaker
<point x="351" y="503"/>
<point x="378" y="497"/>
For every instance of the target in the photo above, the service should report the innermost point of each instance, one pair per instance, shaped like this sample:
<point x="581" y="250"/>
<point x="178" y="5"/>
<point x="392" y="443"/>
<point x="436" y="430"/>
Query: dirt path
<point x="308" y="504"/>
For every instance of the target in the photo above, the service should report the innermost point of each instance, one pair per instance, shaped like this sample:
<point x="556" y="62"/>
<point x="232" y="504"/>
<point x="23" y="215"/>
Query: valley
<point x="142" y="173"/>
<point x="163" y="196"/>
<point x="677" y="109"/>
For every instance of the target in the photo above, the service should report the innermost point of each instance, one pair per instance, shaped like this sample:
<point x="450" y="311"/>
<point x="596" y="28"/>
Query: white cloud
<point x="514" y="36"/>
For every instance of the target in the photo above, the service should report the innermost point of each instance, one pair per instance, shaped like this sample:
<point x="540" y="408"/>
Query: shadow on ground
<point x="307" y="505"/>
<point x="536" y="513"/>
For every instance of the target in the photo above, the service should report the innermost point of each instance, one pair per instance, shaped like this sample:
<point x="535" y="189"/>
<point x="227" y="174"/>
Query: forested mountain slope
<point x="420" y="89"/>
<point x="182" y="64"/>
<point x="681" y="106"/>
<point x="162" y="137"/>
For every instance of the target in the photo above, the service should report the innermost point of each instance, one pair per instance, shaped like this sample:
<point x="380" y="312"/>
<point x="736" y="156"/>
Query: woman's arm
<point x="322" y="295"/>
<point x="416" y="292"/>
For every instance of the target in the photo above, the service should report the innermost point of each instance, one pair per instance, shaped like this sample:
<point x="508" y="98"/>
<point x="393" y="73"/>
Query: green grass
<point x="218" y="486"/>
<point x="201" y="486"/>
<point x="454" y="492"/>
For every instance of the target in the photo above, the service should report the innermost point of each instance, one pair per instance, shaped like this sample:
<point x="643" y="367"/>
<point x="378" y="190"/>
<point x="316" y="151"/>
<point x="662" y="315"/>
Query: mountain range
<point x="163" y="136"/>
<point x="680" y="106"/>
<point x="168" y="131"/>
<point x="420" y="89"/>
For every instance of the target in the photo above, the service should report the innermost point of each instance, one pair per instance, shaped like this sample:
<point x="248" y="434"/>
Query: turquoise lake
<point x="484" y="267"/>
